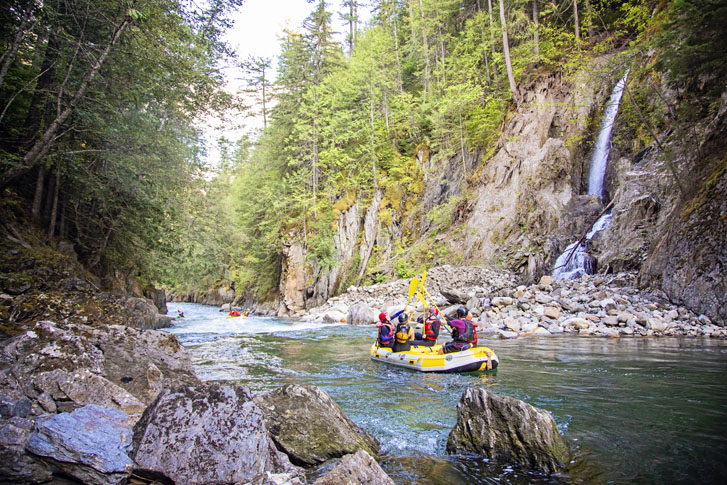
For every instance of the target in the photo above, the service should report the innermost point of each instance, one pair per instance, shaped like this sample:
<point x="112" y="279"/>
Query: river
<point x="636" y="410"/>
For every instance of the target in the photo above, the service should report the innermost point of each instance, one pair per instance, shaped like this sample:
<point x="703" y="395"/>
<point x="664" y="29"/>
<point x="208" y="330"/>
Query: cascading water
<point x="575" y="254"/>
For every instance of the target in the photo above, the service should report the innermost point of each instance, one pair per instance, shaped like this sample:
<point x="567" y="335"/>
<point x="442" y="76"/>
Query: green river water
<point x="637" y="410"/>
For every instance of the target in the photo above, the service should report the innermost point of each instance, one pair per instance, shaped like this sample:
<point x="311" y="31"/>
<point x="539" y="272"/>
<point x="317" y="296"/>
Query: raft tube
<point x="428" y="359"/>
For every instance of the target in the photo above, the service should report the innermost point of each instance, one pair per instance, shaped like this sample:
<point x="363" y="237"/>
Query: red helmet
<point x="383" y="316"/>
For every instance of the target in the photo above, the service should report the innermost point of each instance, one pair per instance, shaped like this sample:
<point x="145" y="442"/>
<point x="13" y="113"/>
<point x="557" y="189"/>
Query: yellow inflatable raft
<point x="429" y="359"/>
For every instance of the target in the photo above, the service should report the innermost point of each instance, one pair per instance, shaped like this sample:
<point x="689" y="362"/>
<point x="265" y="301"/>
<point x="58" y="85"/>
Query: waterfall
<point x="579" y="259"/>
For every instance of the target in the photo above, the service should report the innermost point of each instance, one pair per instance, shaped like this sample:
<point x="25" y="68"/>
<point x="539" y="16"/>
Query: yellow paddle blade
<point x="421" y="283"/>
<point x="413" y="287"/>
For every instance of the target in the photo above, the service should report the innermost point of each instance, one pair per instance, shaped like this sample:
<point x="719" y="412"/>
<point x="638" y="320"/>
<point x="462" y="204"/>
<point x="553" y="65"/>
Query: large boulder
<point x="69" y="366"/>
<point x="361" y="314"/>
<point x="309" y="426"/>
<point x="159" y="297"/>
<point x="91" y="444"/>
<point x="453" y="295"/>
<point x="356" y="469"/>
<point x="16" y="465"/>
<point x="209" y="433"/>
<point x="506" y="429"/>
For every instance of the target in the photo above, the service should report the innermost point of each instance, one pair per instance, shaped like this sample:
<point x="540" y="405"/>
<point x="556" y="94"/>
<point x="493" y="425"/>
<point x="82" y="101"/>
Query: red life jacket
<point x="430" y="334"/>
<point x="474" y="328"/>
<point x="386" y="333"/>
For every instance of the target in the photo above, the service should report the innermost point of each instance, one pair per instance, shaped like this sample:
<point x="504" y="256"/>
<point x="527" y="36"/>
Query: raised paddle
<point x="421" y="298"/>
<point x="412" y="289"/>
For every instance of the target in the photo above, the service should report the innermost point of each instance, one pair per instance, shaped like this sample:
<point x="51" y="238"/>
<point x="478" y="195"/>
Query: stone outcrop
<point x="63" y="367"/>
<point x="16" y="426"/>
<point x="689" y="260"/>
<point x="292" y="279"/>
<point x="308" y="426"/>
<point x="356" y="469"/>
<point x="361" y="314"/>
<point x="507" y="430"/>
<point x="90" y="444"/>
<point x="158" y="296"/>
<point x="209" y="433"/>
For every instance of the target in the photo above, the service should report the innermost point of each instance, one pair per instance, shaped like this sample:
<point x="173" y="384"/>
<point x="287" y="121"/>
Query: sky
<point x="258" y="25"/>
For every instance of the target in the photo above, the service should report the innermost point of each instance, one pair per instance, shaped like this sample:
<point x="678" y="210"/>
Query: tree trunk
<point x="537" y="27"/>
<point x="54" y="207"/>
<point x="38" y="197"/>
<point x="399" y="83"/>
<point x="43" y="144"/>
<point x="492" y="27"/>
<point x="10" y="54"/>
<point x="589" y="19"/>
<point x="577" y="21"/>
<point x="506" y="49"/>
<point x="425" y="41"/>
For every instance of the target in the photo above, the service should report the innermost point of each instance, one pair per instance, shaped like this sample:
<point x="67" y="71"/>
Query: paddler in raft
<point x="233" y="313"/>
<point x="386" y="331"/>
<point x="404" y="334"/>
<point x="431" y="329"/>
<point x="464" y="335"/>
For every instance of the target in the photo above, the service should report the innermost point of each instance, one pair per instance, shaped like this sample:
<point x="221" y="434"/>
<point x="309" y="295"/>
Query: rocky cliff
<point x="519" y="206"/>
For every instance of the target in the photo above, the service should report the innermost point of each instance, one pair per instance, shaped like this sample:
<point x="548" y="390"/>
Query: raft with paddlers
<point x="429" y="359"/>
<point x="434" y="358"/>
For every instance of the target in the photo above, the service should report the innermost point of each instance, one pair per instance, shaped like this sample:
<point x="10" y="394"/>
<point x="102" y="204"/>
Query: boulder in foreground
<point x="210" y="433"/>
<point x="356" y="469"/>
<point x="89" y="444"/>
<point x="507" y="430"/>
<point x="308" y="426"/>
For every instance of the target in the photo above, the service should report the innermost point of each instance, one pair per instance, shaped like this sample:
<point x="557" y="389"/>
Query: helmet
<point x="383" y="316"/>
<point x="462" y="312"/>
<point x="403" y="318"/>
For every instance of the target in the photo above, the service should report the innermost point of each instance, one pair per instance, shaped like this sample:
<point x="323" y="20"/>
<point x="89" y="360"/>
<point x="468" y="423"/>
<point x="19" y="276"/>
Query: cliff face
<point x="521" y="207"/>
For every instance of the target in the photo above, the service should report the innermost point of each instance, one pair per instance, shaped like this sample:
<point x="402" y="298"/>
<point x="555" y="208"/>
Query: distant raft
<point x="428" y="359"/>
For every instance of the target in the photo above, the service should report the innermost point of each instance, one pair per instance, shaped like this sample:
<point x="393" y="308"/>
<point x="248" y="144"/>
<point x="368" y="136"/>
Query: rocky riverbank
<point x="110" y="403"/>
<point x="599" y="305"/>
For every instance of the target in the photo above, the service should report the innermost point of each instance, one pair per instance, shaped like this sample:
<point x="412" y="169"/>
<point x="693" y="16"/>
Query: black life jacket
<point x="402" y="333"/>
<point x="466" y="336"/>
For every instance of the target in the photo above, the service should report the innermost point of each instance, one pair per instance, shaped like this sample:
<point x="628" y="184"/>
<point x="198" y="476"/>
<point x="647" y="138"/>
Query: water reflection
<point x="634" y="410"/>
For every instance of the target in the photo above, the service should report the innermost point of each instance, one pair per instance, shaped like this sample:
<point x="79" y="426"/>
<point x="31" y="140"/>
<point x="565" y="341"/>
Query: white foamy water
<point x="198" y="320"/>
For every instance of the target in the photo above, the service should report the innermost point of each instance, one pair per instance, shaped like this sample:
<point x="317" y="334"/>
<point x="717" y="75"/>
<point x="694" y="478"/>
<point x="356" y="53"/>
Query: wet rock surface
<point x="63" y="367"/>
<point x="91" y="444"/>
<point x="507" y="430"/>
<point x="208" y="433"/>
<point x="354" y="469"/>
<point x="308" y="426"/>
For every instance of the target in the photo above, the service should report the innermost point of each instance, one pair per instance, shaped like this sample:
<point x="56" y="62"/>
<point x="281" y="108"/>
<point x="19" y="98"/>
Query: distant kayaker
<point x="180" y="314"/>
<point x="404" y="334"/>
<point x="431" y="329"/>
<point x="234" y="313"/>
<point x="386" y="331"/>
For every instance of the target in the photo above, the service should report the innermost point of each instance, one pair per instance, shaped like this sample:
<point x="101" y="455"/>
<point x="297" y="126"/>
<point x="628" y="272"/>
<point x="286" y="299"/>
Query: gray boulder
<point x="356" y="469"/>
<point x="506" y="429"/>
<point x="209" y="433"/>
<point x="91" y="444"/>
<point x="16" y="465"/>
<point x="114" y="366"/>
<point x="361" y="314"/>
<point x="308" y="426"/>
<point x="453" y="295"/>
